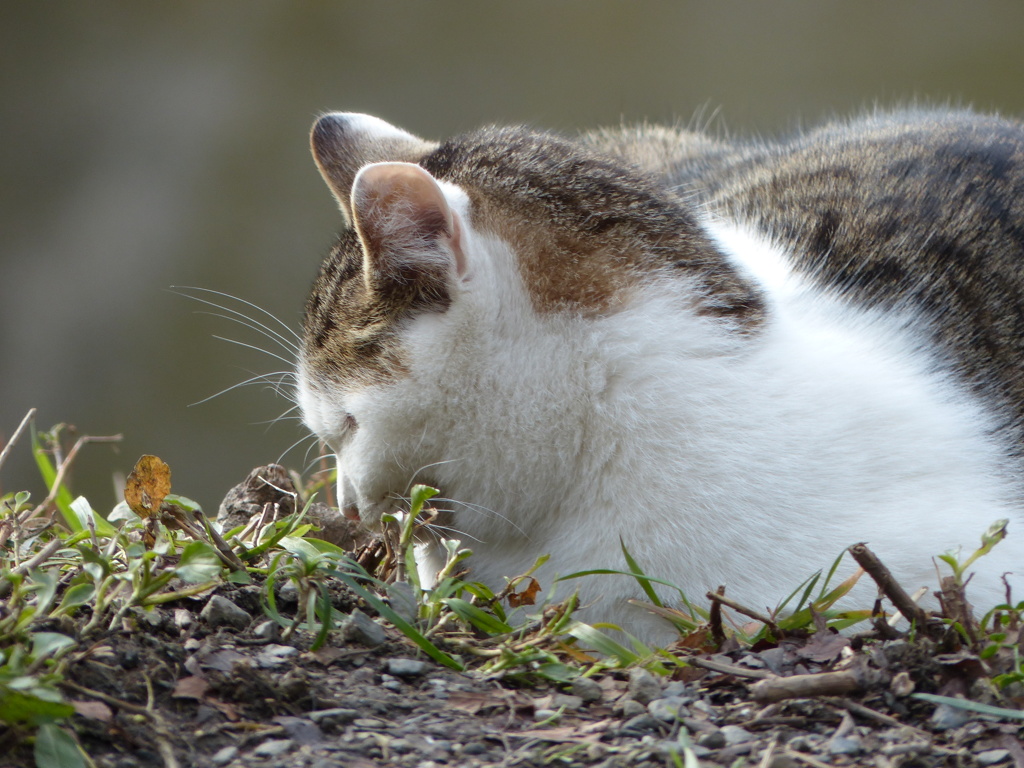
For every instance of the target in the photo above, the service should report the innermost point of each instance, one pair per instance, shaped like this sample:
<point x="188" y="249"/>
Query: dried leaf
<point x="192" y="687"/>
<point x="147" y="485"/>
<point x="527" y="597"/>
<point x="94" y="710"/>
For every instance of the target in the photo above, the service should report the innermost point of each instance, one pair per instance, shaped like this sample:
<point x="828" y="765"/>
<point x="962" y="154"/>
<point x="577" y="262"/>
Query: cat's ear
<point x="408" y="230"/>
<point x="344" y="142"/>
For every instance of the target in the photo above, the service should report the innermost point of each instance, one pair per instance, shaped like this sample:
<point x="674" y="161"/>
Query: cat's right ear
<point x="345" y="142"/>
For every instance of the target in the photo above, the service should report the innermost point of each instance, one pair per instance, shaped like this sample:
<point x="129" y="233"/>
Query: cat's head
<point x="463" y="287"/>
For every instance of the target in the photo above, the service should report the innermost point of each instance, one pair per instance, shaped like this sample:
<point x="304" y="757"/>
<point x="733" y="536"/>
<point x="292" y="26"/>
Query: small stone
<point x="946" y="717"/>
<point x="712" y="740"/>
<point x="587" y="689"/>
<point x="301" y="729"/>
<point x="844" y="745"/>
<point x="182" y="618"/>
<point x="273" y="748"/>
<point x="401" y="746"/>
<point x="267" y="630"/>
<point x="632" y="708"/>
<point x="360" y="628"/>
<point x="274" y="655"/>
<point x="400" y="667"/>
<point x="643" y="687"/>
<point x="735" y="735"/>
<point x="643" y="722"/>
<point x="560" y="700"/>
<point x="675" y="688"/>
<point x="474" y="748"/>
<point x="668" y="709"/>
<point x="221" y="612"/>
<point x="544" y="714"/>
<point x="224" y="756"/>
<point x="334" y="716"/>
<point x="992" y="756"/>
<point x="368" y="722"/>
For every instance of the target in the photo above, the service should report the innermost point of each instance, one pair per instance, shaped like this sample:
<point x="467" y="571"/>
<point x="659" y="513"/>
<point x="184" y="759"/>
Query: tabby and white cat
<point x="737" y="358"/>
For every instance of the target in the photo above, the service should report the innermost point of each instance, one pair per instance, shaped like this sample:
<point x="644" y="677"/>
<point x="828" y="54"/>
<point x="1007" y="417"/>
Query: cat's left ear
<point x="344" y="142"/>
<point x="408" y="230"/>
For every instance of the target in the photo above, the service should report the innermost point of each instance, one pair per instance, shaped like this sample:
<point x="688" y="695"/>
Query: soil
<point x="211" y="682"/>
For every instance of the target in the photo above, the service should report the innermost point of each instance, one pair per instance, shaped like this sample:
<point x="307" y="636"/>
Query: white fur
<point x="744" y="462"/>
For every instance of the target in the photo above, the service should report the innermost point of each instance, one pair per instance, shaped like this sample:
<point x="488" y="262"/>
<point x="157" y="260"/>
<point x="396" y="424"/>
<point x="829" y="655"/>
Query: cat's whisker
<point x="264" y="378"/>
<point x="412" y="480"/>
<point x="258" y="349"/>
<point x="271" y="315"/>
<point x="241" y="318"/>
<point x="252" y="325"/>
<point x="479" y="508"/>
<point x="297" y="443"/>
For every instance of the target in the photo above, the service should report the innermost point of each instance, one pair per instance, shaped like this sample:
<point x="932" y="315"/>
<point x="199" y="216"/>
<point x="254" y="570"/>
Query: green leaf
<point x="55" y="748"/>
<point x="602" y="643"/>
<point x="25" y="700"/>
<point x="49" y="472"/>
<point x="199" y="562"/>
<point x="641" y="577"/>
<point x="85" y="513"/>
<point x="480" y="619"/>
<point x="971" y="706"/>
<point x="183" y="502"/>
<point x="48" y="643"/>
<point x="76" y="595"/>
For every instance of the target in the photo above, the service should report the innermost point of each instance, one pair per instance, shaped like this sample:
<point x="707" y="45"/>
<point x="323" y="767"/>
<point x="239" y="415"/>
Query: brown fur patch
<point x="587" y="228"/>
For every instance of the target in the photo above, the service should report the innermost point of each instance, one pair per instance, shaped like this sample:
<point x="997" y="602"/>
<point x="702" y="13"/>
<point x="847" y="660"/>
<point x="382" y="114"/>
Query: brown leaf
<point x="94" y="710"/>
<point x="147" y="485"/>
<point x="823" y="647"/>
<point x="192" y="687"/>
<point x="526" y="597"/>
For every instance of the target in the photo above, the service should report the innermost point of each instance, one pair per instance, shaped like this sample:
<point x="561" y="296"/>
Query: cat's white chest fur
<point x="715" y="458"/>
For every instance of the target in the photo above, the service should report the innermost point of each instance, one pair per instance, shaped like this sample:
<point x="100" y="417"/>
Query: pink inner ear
<point x="402" y="216"/>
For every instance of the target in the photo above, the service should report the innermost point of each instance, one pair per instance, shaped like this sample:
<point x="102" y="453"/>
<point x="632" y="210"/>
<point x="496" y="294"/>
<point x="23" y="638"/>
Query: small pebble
<point x="224" y="756"/>
<point x="544" y="714"/>
<point x="273" y="748"/>
<point x="735" y="735"/>
<point x="333" y="716"/>
<point x="632" y="708"/>
<point x="221" y="612"/>
<point x="368" y="722"/>
<point x="360" y="628"/>
<point x="587" y="689"/>
<point x="668" y="709"/>
<point x="712" y="740"/>
<point x="642" y="722"/>
<point x="844" y="745"/>
<point x="992" y="756"/>
<point x="267" y="630"/>
<point x="560" y="700"/>
<point x="400" y="667"/>
<point x="946" y="717"/>
<point x="643" y="687"/>
<point x="274" y="655"/>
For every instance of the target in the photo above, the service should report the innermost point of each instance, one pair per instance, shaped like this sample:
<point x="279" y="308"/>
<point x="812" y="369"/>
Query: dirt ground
<point x="192" y="687"/>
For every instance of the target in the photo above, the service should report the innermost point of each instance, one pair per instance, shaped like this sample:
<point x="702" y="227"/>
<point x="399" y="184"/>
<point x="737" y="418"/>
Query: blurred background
<point x="149" y="145"/>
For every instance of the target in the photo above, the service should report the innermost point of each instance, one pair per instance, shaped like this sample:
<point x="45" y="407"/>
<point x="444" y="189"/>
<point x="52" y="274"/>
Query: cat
<point x="736" y="358"/>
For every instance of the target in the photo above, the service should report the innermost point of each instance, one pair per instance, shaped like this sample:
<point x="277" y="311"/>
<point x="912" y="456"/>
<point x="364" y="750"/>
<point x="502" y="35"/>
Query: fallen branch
<point x="730" y="669"/>
<point x="867" y="560"/>
<point x="714" y="597"/>
<point x="807" y="686"/>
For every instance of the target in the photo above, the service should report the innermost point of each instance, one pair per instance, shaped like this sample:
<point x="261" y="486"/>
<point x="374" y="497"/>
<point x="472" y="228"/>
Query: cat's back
<point x="919" y="212"/>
